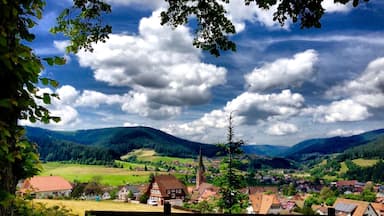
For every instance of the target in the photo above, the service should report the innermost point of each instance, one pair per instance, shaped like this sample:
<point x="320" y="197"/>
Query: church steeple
<point x="200" y="178"/>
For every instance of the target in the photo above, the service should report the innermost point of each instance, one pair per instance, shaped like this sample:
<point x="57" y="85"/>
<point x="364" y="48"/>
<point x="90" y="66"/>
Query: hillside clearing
<point x="151" y="156"/>
<point x="79" y="207"/>
<point x="343" y="168"/>
<point x="364" y="162"/>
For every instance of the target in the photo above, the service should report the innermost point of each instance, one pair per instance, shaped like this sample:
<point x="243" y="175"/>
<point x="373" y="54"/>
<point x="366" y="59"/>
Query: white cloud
<point x="145" y="4"/>
<point x="338" y="111"/>
<point x="331" y="7"/>
<point x="342" y="132"/>
<point x="284" y="72"/>
<point x="367" y="89"/>
<point x="94" y="99"/>
<point x="248" y="109"/>
<point x="67" y="94"/>
<point x="129" y="124"/>
<point x="239" y="14"/>
<point x="282" y="128"/>
<point x="251" y="107"/>
<point x="61" y="45"/>
<point x="135" y="102"/>
<point x="160" y="65"/>
<point x="62" y="107"/>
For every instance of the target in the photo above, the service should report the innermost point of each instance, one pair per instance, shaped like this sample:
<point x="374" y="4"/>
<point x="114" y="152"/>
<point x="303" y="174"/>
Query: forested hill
<point x="314" y="147"/>
<point x="114" y="141"/>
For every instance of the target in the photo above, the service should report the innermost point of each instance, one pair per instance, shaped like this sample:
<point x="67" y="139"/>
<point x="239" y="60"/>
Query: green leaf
<point x="46" y="98"/>
<point x="44" y="81"/>
<point x="49" y="61"/>
<point x="56" y="119"/>
<point x="54" y="83"/>
<point x="60" y="60"/>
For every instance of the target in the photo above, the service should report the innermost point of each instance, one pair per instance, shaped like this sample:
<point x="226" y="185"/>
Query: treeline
<point x="372" y="150"/>
<point x="51" y="149"/>
<point x="373" y="173"/>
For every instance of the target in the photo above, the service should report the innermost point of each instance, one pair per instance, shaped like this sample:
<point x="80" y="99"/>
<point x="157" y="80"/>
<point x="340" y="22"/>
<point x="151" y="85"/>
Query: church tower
<point x="200" y="178"/>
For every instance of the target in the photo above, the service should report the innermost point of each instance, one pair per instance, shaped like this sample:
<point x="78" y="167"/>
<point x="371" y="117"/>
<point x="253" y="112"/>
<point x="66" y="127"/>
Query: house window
<point x="173" y="196"/>
<point x="173" y="190"/>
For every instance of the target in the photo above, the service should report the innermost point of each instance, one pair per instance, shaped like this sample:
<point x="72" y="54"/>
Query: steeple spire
<point x="200" y="178"/>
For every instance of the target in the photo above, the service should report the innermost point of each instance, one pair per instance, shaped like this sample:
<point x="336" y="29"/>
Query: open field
<point x="343" y="168"/>
<point x="364" y="162"/>
<point x="150" y="156"/>
<point x="84" y="173"/>
<point x="79" y="207"/>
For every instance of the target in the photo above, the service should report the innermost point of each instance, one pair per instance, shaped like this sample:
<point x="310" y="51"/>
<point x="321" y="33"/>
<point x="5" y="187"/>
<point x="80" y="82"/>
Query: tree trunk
<point x="8" y="184"/>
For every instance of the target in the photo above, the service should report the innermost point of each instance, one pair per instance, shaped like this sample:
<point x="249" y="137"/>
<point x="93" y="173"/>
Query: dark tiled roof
<point x="167" y="182"/>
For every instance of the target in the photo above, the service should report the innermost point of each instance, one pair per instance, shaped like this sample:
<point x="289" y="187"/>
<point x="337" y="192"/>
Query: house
<point x="167" y="188"/>
<point x="379" y="208"/>
<point x="106" y="196"/>
<point x="320" y="209"/>
<point x="349" y="185"/>
<point x="205" y="192"/>
<point x="350" y="207"/>
<point x="264" y="203"/>
<point x="46" y="186"/>
<point x="260" y="189"/>
<point x="136" y="192"/>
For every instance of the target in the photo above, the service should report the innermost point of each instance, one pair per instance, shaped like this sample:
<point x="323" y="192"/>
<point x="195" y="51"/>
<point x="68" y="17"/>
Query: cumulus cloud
<point x="282" y="128"/>
<point x="339" y="111"/>
<point x="367" y="89"/>
<point x="160" y="65"/>
<point x="331" y="7"/>
<point x="283" y="72"/>
<point x="239" y="14"/>
<point x="94" y="99"/>
<point x="248" y="109"/>
<point x="344" y="133"/>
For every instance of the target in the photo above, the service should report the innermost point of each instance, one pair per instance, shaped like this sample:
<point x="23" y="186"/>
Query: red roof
<point x="46" y="184"/>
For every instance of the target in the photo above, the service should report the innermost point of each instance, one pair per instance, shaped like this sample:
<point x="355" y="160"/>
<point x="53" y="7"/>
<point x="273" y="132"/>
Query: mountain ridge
<point x="121" y="140"/>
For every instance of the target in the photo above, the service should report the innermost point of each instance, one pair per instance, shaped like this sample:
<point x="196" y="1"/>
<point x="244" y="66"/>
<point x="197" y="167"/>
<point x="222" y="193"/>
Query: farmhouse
<point x="353" y="208"/>
<point x="167" y="188"/>
<point x="46" y="186"/>
<point x="264" y="204"/>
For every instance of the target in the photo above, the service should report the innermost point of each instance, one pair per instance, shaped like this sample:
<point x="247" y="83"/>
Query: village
<point x="284" y="195"/>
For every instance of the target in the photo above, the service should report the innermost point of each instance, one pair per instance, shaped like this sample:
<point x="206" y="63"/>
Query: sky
<point x="283" y="85"/>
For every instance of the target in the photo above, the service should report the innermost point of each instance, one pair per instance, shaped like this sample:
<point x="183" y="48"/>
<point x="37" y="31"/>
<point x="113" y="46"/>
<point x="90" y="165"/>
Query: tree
<point x="229" y="180"/>
<point x="20" y="98"/>
<point x="214" y="26"/>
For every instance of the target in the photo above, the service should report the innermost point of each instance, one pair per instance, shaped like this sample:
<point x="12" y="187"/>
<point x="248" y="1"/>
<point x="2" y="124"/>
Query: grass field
<point x="84" y="173"/>
<point x="79" y="207"/>
<point x="364" y="162"/>
<point x="150" y="156"/>
<point x="343" y="168"/>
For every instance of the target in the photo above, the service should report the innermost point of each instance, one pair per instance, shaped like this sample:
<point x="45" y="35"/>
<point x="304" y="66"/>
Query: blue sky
<point x="283" y="85"/>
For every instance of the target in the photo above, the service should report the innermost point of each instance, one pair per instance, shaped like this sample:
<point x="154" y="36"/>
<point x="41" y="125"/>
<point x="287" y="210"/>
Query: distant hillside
<point x="371" y="150"/>
<point x="257" y="162"/>
<point x="120" y="140"/>
<point x="313" y="148"/>
<point x="265" y="150"/>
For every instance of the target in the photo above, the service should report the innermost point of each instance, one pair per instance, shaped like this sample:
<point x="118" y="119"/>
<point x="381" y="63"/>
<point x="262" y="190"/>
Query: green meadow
<point x="84" y="173"/>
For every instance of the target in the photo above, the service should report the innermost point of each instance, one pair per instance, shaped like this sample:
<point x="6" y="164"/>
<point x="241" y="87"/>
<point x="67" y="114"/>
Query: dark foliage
<point x="374" y="173"/>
